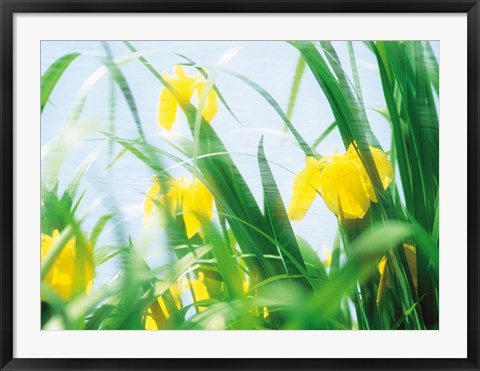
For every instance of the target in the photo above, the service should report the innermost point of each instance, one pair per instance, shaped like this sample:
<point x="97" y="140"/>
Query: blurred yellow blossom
<point x="62" y="273"/>
<point x="158" y="312"/>
<point x="245" y="286"/>
<point x="266" y="313"/>
<point x="328" y="256"/>
<point x="191" y="196"/>
<point x="200" y="291"/>
<point x="385" y="281"/>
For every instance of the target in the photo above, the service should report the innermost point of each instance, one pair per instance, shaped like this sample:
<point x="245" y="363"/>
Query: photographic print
<point x="239" y="185"/>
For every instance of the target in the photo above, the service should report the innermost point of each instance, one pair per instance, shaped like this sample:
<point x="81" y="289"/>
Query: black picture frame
<point x="9" y="8"/>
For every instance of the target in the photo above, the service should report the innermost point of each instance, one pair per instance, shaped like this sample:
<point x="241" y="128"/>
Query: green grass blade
<point x="276" y="215"/>
<point x="98" y="228"/>
<point x="226" y="264"/>
<point x="356" y="79"/>
<point x="119" y="78"/>
<point x="223" y="60"/>
<point x="315" y="267"/>
<point x="52" y="75"/>
<point x="87" y="162"/>
<point x="273" y="103"/>
<point x="297" y="80"/>
<point x="368" y="247"/>
<point x="325" y="134"/>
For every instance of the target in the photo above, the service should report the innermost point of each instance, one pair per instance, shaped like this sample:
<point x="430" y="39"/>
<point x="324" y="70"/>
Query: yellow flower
<point x="184" y="85"/>
<point x="385" y="277"/>
<point x="61" y="275"/>
<point x="192" y="196"/>
<point x="158" y="312"/>
<point x="342" y="181"/>
<point x="200" y="291"/>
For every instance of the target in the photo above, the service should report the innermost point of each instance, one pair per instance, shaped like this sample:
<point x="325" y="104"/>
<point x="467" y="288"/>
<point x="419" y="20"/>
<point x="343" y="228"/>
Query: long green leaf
<point x="297" y="79"/>
<point x="276" y="215"/>
<point x="269" y="98"/>
<point x="52" y="75"/>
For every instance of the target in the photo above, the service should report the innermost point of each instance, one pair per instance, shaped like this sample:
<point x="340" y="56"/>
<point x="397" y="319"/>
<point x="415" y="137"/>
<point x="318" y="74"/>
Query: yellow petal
<point x="173" y="196"/>
<point x="176" y="294"/>
<point x="171" y="80"/>
<point x="245" y="286"/>
<point x="305" y="188"/>
<point x="328" y="256"/>
<point x="46" y="244"/>
<point x="383" y="165"/>
<point x="184" y="84"/>
<point x="197" y="205"/>
<point x="192" y="224"/>
<point x="156" y="315"/>
<point x="61" y="275"/>
<point x="148" y="204"/>
<point x="210" y="108"/>
<point x="158" y="312"/>
<point x="150" y="323"/>
<point x="163" y="307"/>
<point x="200" y="290"/>
<point x="265" y="312"/>
<point x="385" y="279"/>
<point x="180" y="72"/>
<point x="343" y="189"/>
<point x="383" y="283"/>
<point x="411" y="255"/>
<point x="167" y="109"/>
